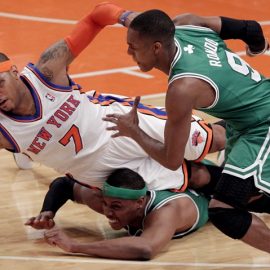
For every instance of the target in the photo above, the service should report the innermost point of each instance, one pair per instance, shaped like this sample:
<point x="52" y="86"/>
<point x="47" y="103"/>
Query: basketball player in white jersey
<point x="44" y="115"/>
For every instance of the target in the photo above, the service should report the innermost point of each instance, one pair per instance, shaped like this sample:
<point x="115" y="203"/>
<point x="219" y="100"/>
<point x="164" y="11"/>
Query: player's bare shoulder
<point x="191" y="90"/>
<point x="54" y="60"/>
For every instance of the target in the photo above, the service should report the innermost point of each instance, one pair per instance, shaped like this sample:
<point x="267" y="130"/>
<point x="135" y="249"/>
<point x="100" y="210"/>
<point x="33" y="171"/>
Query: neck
<point x="137" y="223"/>
<point x="26" y="105"/>
<point x="168" y="55"/>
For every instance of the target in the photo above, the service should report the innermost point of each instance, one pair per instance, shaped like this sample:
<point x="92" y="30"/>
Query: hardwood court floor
<point x="27" y="28"/>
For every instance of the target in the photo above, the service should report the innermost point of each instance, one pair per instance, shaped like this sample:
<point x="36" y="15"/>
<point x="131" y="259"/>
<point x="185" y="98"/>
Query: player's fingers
<point x="48" y="224"/>
<point x="136" y="102"/>
<point x="112" y="128"/>
<point x="113" y="115"/>
<point x="51" y="223"/>
<point x="110" y="119"/>
<point x="43" y="218"/>
<point x="115" y="135"/>
<point x="40" y="222"/>
<point x="38" y="218"/>
<point x="29" y="221"/>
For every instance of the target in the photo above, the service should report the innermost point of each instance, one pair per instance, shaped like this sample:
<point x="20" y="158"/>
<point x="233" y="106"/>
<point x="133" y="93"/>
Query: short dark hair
<point x="3" y="57"/>
<point x="126" y="178"/>
<point x="154" y="24"/>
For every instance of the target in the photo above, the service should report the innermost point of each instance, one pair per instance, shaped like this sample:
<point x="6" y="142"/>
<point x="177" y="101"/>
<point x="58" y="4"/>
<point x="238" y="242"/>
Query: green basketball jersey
<point x="242" y="99"/>
<point x="242" y="94"/>
<point x="160" y="198"/>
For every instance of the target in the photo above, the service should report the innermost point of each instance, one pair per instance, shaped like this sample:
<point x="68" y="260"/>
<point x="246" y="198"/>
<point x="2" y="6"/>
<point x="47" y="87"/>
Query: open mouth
<point x="112" y="221"/>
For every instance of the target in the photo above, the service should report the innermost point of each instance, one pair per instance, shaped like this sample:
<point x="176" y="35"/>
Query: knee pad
<point x="235" y="191"/>
<point x="232" y="222"/>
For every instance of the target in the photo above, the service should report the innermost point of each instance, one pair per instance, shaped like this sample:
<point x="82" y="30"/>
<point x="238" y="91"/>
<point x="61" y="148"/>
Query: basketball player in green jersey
<point x="154" y="216"/>
<point x="205" y="74"/>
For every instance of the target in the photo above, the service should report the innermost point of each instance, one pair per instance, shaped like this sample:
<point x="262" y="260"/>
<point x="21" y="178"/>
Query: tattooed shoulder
<point x="53" y="59"/>
<point x="57" y="51"/>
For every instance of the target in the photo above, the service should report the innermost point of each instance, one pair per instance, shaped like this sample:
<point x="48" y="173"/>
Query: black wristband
<point x="248" y="31"/>
<point x="61" y="190"/>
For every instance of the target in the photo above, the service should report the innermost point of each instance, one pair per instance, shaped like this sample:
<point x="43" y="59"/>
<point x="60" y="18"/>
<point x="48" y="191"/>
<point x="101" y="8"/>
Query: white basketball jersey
<point x="67" y="133"/>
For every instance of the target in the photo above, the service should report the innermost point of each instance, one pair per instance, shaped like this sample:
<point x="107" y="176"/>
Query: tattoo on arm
<point x="47" y="73"/>
<point x="54" y="59"/>
<point x="58" y="50"/>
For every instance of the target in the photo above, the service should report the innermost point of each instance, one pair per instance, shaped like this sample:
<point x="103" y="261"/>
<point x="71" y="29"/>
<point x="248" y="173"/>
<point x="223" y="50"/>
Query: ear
<point x="140" y="202"/>
<point x="14" y="70"/>
<point x="157" y="47"/>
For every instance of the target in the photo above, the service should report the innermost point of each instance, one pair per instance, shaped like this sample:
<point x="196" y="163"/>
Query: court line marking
<point x="152" y="96"/>
<point x="129" y="70"/>
<point x="61" y="21"/>
<point x="42" y="19"/>
<point x="126" y="70"/>
<point x="107" y="261"/>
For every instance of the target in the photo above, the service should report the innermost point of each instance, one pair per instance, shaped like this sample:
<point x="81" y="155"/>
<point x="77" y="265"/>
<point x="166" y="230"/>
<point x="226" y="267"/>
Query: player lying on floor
<point x="155" y="217"/>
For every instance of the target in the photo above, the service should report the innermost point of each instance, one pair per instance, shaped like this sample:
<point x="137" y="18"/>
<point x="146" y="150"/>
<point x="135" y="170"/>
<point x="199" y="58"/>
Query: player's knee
<point x="199" y="175"/>
<point x="232" y="222"/>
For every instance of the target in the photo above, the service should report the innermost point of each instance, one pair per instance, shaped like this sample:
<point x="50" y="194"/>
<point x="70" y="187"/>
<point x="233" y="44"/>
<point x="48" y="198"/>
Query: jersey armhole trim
<point x="195" y="27"/>
<point x="202" y="77"/>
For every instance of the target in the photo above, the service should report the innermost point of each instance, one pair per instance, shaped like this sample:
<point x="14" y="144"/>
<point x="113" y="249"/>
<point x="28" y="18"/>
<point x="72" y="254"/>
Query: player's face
<point x="119" y="212"/>
<point x="8" y="96"/>
<point x="142" y="50"/>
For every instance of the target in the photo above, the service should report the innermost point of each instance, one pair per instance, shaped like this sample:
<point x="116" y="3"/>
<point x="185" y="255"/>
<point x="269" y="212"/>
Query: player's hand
<point x="250" y="52"/>
<point x="43" y="221"/>
<point x="56" y="237"/>
<point x="125" y="124"/>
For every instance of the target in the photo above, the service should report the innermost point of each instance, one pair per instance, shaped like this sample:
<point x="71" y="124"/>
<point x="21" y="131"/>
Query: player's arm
<point x="180" y="100"/>
<point x="161" y="224"/>
<point x="182" y="96"/>
<point x="60" y="191"/>
<point x="213" y="22"/>
<point x="219" y="136"/>
<point x="249" y="31"/>
<point x="158" y="231"/>
<point x="54" y="61"/>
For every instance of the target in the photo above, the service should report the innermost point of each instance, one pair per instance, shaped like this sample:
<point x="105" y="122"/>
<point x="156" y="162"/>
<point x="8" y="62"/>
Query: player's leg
<point x="259" y="204"/>
<point x="227" y="212"/>
<point x="245" y="172"/>
<point x="204" y="176"/>
<point x="219" y="136"/>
